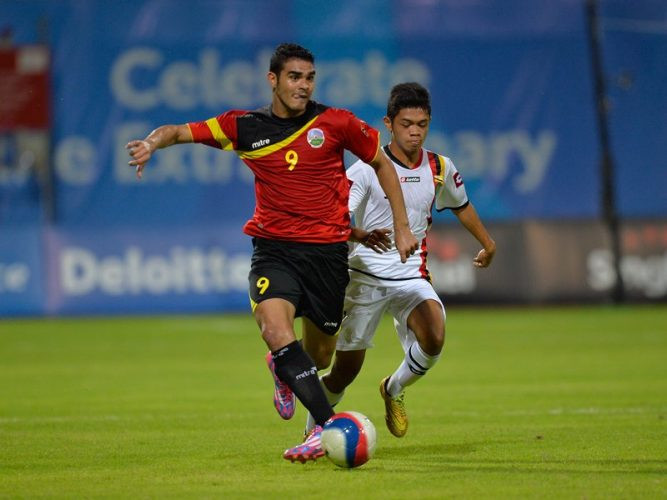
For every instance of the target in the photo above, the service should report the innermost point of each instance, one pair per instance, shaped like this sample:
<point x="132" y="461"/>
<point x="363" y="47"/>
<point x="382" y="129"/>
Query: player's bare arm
<point x="471" y="221"/>
<point x="406" y="243"/>
<point x="377" y="240"/>
<point x="162" y="137"/>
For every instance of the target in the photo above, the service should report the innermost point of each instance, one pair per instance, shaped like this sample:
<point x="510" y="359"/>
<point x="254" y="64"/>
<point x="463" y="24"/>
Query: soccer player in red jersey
<point x="301" y="224"/>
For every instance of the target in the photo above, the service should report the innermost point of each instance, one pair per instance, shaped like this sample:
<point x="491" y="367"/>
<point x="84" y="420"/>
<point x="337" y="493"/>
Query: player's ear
<point x="272" y="79"/>
<point x="387" y="123"/>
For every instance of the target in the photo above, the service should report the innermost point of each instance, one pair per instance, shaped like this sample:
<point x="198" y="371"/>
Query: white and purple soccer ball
<point x="348" y="439"/>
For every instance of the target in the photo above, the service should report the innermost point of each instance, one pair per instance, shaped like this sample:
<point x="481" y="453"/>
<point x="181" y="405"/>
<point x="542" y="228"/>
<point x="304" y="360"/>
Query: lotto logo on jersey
<point x="458" y="180"/>
<point x="410" y="179"/>
<point x="315" y="138"/>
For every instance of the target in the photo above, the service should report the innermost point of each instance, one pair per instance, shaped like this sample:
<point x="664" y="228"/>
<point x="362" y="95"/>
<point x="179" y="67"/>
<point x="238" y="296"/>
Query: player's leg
<point x="323" y="276"/>
<point x="274" y="295"/>
<point x="364" y="306"/>
<point x="276" y="292"/>
<point x="275" y="318"/>
<point x="346" y="367"/>
<point x="319" y="345"/>
<point x="419" y="318"/>
<point x="293" y="366"/>
<point x="422" y="340"/>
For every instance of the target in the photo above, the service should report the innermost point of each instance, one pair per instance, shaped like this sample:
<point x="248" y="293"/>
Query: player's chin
<point x="299" y="104"/>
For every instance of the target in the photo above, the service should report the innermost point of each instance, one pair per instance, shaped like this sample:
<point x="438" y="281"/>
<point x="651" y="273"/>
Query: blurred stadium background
<point x="560" y="135"/>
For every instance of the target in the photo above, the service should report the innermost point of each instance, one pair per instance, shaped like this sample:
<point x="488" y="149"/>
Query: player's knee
<point x="433" y="342"/>
<point x="276" y="335"/>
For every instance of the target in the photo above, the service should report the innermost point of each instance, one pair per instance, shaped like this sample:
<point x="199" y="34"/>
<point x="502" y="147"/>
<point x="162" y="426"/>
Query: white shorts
<point x="365" y="304"/>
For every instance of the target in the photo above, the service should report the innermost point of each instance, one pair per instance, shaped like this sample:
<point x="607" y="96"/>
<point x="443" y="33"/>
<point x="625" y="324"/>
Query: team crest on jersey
<point x="411" y="179"/>
<point x="315" y="138"/>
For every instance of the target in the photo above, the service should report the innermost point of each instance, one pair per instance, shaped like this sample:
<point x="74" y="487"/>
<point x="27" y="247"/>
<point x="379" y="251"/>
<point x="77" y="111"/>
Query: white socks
<point x="414" y="366"/>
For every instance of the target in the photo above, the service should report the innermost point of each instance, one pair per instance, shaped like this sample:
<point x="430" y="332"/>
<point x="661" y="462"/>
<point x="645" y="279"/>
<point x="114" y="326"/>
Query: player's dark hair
<point x="408" y="95"/>
<point x="286" y="51"/>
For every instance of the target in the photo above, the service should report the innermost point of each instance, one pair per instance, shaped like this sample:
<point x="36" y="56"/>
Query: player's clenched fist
<point x="406" y="243"/>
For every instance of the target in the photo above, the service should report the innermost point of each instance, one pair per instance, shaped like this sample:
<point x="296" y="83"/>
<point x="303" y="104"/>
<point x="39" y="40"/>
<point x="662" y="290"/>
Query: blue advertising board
<point x="22" y="271"/>
<point x="131" y="271"/>
<point x="511" y="85"/>
<point x="635" y="44"/>
<point x="513" y="106"/>
<point x="511" y="96"/>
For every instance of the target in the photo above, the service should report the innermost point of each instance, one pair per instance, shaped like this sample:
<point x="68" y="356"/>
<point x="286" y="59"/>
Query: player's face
<point x="409" y="129"/>
<point x="292" y="88"/>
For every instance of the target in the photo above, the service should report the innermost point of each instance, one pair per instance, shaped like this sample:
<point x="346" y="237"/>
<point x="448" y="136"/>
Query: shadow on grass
<point x="420" y="458"/>
<point x="433" y="450"/>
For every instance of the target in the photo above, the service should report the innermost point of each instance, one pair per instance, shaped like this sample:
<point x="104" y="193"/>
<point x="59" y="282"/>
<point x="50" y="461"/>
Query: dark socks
<point x="297" y="370"/>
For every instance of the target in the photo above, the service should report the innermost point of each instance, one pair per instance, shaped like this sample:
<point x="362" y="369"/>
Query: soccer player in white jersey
<point x="378" y="280"/>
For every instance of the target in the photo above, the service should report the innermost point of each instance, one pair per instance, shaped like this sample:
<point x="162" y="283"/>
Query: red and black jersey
<point x="301" y="189"/>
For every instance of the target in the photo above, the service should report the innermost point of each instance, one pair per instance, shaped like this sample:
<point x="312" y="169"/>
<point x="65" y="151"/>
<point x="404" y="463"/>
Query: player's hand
<point x="484" y="257"/>
<point x="141" y="152"/>
<point x="406" y="243"/>
<point x="378" y="240"/>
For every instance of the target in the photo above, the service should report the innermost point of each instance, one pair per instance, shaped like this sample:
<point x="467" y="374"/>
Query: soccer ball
<point x="348" y="439"/>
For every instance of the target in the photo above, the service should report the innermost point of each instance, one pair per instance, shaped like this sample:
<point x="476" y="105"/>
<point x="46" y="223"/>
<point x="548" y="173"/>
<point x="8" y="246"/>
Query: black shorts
<point x="312" y="276"/>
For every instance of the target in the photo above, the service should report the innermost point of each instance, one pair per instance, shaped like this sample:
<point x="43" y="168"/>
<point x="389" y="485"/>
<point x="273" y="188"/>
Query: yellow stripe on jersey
<point x="267" y="150"/>
<point x="218" y="134"/>
<point x="377" y="150"/>
<point x="440" y="179"/>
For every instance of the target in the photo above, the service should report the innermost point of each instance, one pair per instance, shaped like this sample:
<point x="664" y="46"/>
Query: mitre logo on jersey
<point x="410" y="179"/>
<point x="260" y="143"/>
<point x="315" y="138"/>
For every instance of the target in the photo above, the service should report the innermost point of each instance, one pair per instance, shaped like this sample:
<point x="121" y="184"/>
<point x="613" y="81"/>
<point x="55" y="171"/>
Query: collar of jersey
<point x="399" y="162"/>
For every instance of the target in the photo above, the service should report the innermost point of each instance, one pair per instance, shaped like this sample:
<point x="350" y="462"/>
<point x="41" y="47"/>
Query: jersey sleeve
<point x="218" y="132"/>
<point x="451" y="192"/>
<point x="360" y="138"/>
<point x="359" y="188"/>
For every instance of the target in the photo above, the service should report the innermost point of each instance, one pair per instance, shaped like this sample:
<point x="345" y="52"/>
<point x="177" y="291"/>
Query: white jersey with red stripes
<point x="434" y="181"/>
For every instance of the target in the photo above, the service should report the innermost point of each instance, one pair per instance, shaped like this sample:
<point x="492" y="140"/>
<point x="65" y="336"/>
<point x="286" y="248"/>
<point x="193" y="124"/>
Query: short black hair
<point x="286" y="51"/>
<point x="408" y="95"/>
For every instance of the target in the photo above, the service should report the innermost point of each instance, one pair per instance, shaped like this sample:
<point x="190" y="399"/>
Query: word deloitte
<point x="180" y="271"/>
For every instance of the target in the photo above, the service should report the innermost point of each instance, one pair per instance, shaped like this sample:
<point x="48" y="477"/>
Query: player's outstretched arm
<point x="406" y="243"/>
<point x="162" y="137"/>
<point x="471" y="221"/>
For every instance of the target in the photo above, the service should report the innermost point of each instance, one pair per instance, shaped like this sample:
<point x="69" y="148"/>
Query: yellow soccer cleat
<point x="395" y="415"/>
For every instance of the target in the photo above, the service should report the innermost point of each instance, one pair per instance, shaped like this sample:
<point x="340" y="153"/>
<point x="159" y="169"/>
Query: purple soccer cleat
<point x="310" y="449"/>
<point x="283" y="397"/>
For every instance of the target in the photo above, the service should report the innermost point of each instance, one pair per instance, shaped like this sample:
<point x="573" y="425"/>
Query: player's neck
<point x="281" y="111"/>
<point x="409" y="158"/>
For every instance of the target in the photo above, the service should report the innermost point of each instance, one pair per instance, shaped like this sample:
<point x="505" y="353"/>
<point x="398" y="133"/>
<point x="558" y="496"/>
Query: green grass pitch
<point x="525" y="403"/>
